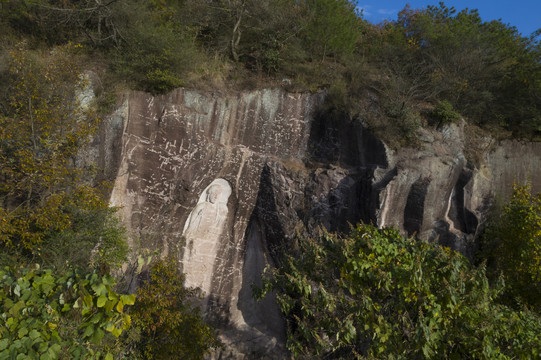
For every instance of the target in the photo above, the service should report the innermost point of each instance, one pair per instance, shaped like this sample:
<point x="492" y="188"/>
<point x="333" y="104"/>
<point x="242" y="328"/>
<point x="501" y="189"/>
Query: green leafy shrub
<point x="72" y="315"/>
<point x="170" y="326"/>
<point x="94" y="238"/>
<point x="47" y="209"/>
<point x="512" y="244"/>
<point x="158" y="50"/>
<point x="399" y="123"/>
<point x="40" y="133"/>
<point x="444" y="113"/>
<point x="154" y="58"/>
<point x="374" y="294"/>
<point x="161" y="80"/>
<point x="333" y="27"/>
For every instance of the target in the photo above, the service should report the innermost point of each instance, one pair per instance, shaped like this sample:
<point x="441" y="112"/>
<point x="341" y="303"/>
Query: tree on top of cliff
<point x="334" y="27"/>
<point x="444" y="54"/>
<point x="486" y="70"/>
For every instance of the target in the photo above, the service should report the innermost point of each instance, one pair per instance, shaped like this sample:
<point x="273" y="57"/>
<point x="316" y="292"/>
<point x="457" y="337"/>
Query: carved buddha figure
<point x="202" y="232"/>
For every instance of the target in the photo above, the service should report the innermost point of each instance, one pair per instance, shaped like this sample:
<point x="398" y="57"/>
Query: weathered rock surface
<point x="225" y="182"/>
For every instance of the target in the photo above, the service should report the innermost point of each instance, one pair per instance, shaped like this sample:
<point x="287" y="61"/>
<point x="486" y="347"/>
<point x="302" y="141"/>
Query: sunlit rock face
<point x="189" y="183"/>
<point x="202" y="233"/>
<point x="226" y="182"/>
<point x="435" y="193"/>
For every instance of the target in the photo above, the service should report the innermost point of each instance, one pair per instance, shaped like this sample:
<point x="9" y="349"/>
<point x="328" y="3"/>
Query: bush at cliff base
<point x="512" y="244"/>
<point x="169" y="324"/>
<point x="47" y="316"/>
<point x="374" y="294"/>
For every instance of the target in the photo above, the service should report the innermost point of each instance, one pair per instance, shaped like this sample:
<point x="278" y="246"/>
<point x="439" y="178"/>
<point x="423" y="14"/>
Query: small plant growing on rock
<point x="444" y="113"/>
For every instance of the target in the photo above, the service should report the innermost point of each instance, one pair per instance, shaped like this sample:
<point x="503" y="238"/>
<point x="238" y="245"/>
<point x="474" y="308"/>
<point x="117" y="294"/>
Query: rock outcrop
<point x="225" y="182"/>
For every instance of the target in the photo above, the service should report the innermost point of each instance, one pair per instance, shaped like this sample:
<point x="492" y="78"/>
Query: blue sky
<point x="524" y="14"/>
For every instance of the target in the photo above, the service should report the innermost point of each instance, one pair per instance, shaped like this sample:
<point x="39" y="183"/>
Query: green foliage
<point x="376" y="295"/>
<point x="487" y="71"/>
<point x="438" y="54"/>
<point x="155" y="53"/>
<point x="334" y="27"/>
<point x="59" y="21"/>
<point x="45" y="204"/>
<point x="95" y="238"/>
<point x="72" y="315"/>
<point x="405" y="120"/>
<point x="170" y="325"/>
<point x="512" y="243"/>
<point x="270" y="45"/>
<point x="50" y="213"/>
<point x="41" y="132"/>
<point x="444" y="113"/>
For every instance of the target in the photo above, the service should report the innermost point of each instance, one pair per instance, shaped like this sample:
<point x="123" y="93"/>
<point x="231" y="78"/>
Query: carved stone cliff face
<point x="226" y="182"/>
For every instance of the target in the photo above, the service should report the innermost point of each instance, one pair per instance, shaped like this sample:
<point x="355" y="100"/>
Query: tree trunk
<point x="236" y="34"/>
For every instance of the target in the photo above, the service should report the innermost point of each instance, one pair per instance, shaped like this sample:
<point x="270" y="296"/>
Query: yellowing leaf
<point x="101" y="301"/>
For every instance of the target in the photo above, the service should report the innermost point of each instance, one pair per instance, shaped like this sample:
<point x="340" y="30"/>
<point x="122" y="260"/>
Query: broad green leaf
<point x="101" y="301"/>
<point x="22" y="332"/>
<point x="87" y="300"/>
<point x="99" y="289"/>
<point x="109" y="326"/>
<point x="96" y="318"/>
<point x="128" y="299"/>
<point x="140" y="263"/>
<point x="17" y="290"/>
<point x="108" y="280"/>
<point x="43" y="347"/>
<point x="110" y="304"/>
<point x="88" y="331"/>
<point x="97" y="335"/>
<point x="116" y="332"/>
<point x="120" y="306"/>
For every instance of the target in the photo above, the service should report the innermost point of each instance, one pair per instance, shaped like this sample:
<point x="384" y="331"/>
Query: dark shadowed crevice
<point x="266" y="214"/>
<point x="368" y="200"/>
<point x="335" y="138"/>
<point x="415" y="206"/>
<point x="387" y="178"/>
<point x="351" y="201"/>
<point x="459" y="232"/>
<point x="463" y="219"/>
<point x="264" y="239"/>
<point x="341" y="190"/>
<point x="263" y="315"/>
<point x="108" y="141"/>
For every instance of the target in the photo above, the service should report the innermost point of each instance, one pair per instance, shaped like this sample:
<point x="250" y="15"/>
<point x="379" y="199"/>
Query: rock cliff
<point x="225" y="182"/>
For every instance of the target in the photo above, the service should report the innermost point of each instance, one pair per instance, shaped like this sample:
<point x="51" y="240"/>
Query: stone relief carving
<point x="202" y="232"/>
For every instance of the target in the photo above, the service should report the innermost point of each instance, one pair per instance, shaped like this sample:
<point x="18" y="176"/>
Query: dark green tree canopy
<point x="489" y="72"/>
<point x="374" y="294"/>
